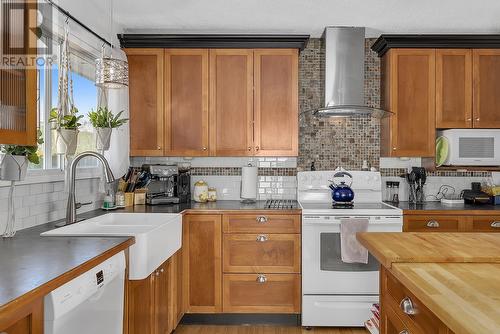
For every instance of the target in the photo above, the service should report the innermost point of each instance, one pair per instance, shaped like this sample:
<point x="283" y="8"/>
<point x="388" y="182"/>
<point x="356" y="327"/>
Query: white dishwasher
<point x="91" y="303"/>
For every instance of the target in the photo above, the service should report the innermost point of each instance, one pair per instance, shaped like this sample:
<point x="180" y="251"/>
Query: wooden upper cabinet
<point x="453" y="88"/>
<point x="146" y="101"/>
<point x="409" y="93"/>
<point x="486" y="69"/>
<point x="231" y="102"/>
<point x="186" y="102"/>
<point x="202" y="252"/>
<point x="18" y="106"/>
<point x="276" y="102"/>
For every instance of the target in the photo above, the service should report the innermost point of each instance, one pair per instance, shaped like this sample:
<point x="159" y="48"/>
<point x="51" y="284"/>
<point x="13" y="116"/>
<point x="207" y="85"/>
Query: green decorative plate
<point x="442" y="147"/>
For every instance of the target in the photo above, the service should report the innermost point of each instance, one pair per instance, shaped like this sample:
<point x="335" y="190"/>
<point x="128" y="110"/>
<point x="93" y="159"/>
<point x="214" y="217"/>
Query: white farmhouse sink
<point x="157" y="236"/>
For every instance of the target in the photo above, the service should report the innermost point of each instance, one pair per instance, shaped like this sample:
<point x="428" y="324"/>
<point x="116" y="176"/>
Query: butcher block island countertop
<point x="456" y="276"/>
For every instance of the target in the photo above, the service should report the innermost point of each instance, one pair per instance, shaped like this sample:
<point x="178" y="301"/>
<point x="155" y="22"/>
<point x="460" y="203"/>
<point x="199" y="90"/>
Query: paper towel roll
<point x="249" y="183"/>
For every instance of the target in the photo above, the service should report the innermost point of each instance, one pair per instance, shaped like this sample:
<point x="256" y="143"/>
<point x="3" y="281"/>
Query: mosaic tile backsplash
<point x="343" y="142"/>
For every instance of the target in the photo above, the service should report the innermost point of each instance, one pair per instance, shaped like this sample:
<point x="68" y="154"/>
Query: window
<point x="85" y="95"/>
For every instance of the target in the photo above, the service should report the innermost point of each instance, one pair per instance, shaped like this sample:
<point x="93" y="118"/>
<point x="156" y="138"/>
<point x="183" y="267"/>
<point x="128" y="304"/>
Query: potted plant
<point x="66" y="126"/>
<point x="15" y="159"/>
<point x="104" y="122"/>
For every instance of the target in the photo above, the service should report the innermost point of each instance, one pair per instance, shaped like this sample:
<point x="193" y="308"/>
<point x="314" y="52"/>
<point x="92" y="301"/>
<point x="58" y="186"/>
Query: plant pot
<point x="103" y="138"/>
<point x="66" y="141"/>
<point x="13" y="167"/>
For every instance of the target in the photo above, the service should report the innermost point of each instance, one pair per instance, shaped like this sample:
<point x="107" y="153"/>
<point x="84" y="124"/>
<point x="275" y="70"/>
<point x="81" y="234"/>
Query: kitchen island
<point x="438" y="283"/>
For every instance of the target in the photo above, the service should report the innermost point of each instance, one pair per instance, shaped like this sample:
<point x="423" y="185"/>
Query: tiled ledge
<point x="236" y="171"/>
<point x="399" y="171"/>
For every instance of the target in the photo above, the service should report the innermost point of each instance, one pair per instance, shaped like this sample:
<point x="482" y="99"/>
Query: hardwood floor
<point x="212" y="329"/>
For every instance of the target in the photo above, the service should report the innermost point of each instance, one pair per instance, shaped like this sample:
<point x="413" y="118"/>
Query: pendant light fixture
<point x="111" y="72"/>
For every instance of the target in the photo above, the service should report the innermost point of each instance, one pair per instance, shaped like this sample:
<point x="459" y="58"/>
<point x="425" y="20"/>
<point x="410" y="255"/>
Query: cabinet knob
<point x="157" y="273"/>
<point x="432" y="224"/>
<point x="477" y="119"/>
<point x="249" y="148"/>
<point x="406" y="306"/>
<point x="262" y="219"/>
<point x="158" y="147"/>
<point x="261" y="238"/>
<point x="404" y="331"/>
<point x="495" y="224"/>
<point x="162" y="270"/>
<point x="469" y="119"/>
<point x="261" y="279"/>
<point x="204" y="148"/>
<point x="257" y="148"/>
<point x="394" y="148"/>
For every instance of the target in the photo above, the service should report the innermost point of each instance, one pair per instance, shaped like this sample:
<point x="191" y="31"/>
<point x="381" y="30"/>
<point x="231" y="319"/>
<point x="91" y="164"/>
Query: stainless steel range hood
<point x="345" y="74"/>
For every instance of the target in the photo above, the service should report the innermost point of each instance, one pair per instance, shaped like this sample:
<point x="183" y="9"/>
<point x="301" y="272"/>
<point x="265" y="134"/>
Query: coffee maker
<point x="167" y="185"/>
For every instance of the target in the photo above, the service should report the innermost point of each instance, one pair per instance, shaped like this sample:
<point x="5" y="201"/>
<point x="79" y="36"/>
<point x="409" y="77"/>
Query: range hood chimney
<point x="345" y="74"/>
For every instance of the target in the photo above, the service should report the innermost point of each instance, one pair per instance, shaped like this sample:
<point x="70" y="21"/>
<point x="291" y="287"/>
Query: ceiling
<point x="307" y="16"/>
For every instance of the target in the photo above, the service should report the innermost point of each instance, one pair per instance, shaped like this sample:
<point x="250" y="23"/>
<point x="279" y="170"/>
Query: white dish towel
<point x="351" y="250"/>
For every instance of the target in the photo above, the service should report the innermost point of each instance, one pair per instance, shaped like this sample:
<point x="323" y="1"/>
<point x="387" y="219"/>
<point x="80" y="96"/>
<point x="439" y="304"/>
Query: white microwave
<point x="472" y="147"/>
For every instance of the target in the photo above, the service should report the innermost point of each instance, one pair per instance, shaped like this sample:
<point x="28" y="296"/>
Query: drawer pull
<point x="261" y="238"/>
<point x="495" y="224"/>
<point x="407" y="306"/>
<point x="261" y="279"/>
<point x="432" y="224"/>
<point x="262" y="219"/>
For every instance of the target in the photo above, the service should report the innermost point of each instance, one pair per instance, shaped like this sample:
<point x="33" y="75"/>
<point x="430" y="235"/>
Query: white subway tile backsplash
<point x="43" y="202"/>
<point x="36" y="188"/>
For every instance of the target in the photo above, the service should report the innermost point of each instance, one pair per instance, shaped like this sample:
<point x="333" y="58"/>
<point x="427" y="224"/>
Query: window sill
<point x="54" y="175"/>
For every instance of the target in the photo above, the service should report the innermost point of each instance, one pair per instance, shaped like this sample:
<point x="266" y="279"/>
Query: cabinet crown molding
<point x="446" y="41"/>
<point x="206" y="41"/>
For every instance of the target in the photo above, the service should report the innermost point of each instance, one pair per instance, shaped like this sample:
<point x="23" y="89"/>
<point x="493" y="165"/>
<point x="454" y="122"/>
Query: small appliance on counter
<point x="475" y="195"/>
<point x="168" y="185"/>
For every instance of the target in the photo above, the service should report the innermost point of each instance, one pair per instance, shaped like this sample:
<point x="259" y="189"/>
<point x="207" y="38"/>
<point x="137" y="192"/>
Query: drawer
<point x="433" y="223"/>
<point x="392" y="324"/>
<point x="261" y="223"/>
<point x="261" y="253"/>
<point x="486" y="224"/>
<point x="261" y="293"/>
<point x="397" y="297"/>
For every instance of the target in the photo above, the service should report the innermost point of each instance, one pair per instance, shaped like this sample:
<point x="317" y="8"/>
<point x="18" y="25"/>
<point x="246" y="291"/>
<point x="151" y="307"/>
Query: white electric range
<point x="335" y="293"/>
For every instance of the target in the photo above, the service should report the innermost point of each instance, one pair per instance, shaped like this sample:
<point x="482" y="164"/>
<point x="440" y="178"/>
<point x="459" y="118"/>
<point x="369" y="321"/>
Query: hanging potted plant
<point x="66" y="126"/>
<point x="104" y="122"/>
<point x="63" y="118"/>
<point x="15" y="158"/>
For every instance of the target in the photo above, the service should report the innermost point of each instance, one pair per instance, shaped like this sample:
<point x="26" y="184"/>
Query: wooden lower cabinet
<point x="394" y="318"/>
<point x="486" y="224"/>
<point x="153" y="303"/>
<point x="202" y="252"/>
<point x="26" y="319"/>
<point x="261" y="223"/>
<point x="439" y="223"/>
<point x="261" y="293"/>
<point x="252" y="265"/>
<point x="451" y="223"/>
<point x="256" y="253"/>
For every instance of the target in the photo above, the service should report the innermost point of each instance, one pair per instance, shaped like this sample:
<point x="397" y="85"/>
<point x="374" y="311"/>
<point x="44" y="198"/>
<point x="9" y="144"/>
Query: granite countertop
<point x="209" y="206"/>
<point x="31" y="263"/>
<point x="433" y="207"/>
